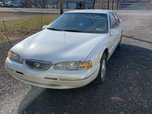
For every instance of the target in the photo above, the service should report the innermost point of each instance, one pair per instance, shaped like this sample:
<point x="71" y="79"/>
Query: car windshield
<point x="81" y="22"/>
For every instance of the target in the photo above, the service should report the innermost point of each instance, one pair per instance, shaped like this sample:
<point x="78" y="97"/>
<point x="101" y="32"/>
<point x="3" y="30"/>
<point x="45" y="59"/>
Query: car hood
<point x="57" y="46"/>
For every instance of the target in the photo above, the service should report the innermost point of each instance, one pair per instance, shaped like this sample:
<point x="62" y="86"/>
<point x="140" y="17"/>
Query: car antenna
<point x="6" y="33"/>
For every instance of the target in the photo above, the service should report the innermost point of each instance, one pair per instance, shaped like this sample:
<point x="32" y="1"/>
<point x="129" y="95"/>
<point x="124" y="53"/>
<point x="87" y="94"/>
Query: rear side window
<point x="117" y="17"/>
<point x="113" y="21"/>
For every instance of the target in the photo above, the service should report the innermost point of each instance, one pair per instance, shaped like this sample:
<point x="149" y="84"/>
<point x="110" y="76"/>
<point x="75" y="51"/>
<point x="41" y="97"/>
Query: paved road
<point x="39" y="10"/>
<point x="126" y="90"/>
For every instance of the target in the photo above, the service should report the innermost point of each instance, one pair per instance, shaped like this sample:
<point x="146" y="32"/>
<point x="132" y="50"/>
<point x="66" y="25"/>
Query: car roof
<point x="90" y="11"/>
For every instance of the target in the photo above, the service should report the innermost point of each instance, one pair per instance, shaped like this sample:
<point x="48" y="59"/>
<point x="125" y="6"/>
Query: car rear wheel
<point x="102" y="71"/>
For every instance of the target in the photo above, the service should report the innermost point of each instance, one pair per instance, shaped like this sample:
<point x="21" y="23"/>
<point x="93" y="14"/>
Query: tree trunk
<point x="61" y="6"/>
<point x="117" y="4"/>
<point x="94" y="1"/>
<point x="113" y="4"/>
<point x="108" y="4"/>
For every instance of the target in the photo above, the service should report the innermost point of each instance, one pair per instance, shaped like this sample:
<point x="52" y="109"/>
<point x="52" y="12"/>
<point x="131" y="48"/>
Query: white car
<point x="1" y="4"/>
<point x="68" y="53"/>
<point x="12" y="4"/>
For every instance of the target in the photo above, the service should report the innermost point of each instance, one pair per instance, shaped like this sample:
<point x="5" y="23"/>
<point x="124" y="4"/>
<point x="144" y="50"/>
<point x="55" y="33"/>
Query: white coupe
<point x="68" y="53"/>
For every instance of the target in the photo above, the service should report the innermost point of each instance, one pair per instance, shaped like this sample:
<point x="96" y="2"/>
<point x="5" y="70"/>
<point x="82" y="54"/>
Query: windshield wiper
<point x="55" y="29"/>
<point x="68" y="30"/>
<point x="73" y="30"/>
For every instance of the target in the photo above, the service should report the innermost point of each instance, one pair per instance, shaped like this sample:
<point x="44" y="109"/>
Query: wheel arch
<point x="106" y="51"/>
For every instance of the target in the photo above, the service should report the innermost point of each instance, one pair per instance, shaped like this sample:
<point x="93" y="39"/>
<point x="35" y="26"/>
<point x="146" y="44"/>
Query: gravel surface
<point x="126" y="90"/>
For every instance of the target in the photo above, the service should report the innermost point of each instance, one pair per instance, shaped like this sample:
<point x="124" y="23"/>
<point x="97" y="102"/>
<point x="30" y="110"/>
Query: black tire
<point x="101" y="77"/>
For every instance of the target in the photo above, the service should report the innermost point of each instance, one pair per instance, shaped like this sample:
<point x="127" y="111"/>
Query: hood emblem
<point x="37" y="65"/>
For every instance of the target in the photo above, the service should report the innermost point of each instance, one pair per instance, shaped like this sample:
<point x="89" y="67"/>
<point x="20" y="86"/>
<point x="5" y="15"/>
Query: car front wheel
<point x="102" y="71"/>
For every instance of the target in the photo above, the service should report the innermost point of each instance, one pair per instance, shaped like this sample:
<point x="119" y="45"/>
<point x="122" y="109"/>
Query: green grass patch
<point x="24" y="27"/>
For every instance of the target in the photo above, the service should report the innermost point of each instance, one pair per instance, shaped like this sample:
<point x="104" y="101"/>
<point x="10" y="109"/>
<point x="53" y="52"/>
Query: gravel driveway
<point x="126" y="90"/>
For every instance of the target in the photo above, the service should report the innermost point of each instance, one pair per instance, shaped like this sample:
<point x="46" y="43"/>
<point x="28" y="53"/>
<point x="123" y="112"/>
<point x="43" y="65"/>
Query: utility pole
<point x="61" y="6"/>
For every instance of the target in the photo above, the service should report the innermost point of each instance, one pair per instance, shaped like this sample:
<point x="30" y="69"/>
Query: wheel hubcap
<point x="103" y="69"/>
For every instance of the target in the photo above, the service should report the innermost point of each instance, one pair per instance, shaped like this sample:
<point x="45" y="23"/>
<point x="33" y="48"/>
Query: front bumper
<point x="55" y="79"/>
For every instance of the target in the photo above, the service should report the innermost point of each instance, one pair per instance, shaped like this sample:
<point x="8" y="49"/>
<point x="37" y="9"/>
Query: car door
<point x="115" y="32"/>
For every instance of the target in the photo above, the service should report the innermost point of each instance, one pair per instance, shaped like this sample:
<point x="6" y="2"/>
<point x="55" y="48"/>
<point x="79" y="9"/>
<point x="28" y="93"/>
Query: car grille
<point x="38" y="64"/>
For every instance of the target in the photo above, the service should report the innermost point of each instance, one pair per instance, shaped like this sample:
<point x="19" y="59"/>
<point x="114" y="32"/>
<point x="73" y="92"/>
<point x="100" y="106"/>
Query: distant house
<point x="125" y="4"/>
<point x="134" y="4"/>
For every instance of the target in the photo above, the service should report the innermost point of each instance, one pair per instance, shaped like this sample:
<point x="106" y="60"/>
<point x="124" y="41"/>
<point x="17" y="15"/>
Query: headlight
<point x="38" y="64"/>
<point x="73" y="65"/>
<point x="14" y="57"/>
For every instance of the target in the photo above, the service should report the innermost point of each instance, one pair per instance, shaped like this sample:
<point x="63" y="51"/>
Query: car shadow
<point x="135" y="38"/>
<point x="126" y="90"/>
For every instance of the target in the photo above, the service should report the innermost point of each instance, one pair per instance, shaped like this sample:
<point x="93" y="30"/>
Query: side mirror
<point x="44" y="27"/>
<point x="114" y="32"/>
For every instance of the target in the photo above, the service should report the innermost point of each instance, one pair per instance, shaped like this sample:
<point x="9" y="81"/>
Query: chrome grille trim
<point x="38" y="64"/>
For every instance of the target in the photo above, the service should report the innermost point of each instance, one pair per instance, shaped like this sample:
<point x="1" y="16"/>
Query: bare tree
<point x="43" y="3"/>
<point x="28" y="3"/>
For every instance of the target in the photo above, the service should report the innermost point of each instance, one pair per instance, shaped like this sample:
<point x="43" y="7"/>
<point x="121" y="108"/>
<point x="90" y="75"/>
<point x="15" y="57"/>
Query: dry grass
<point x="24" y="27"/>
<point x="3" y="14"/>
